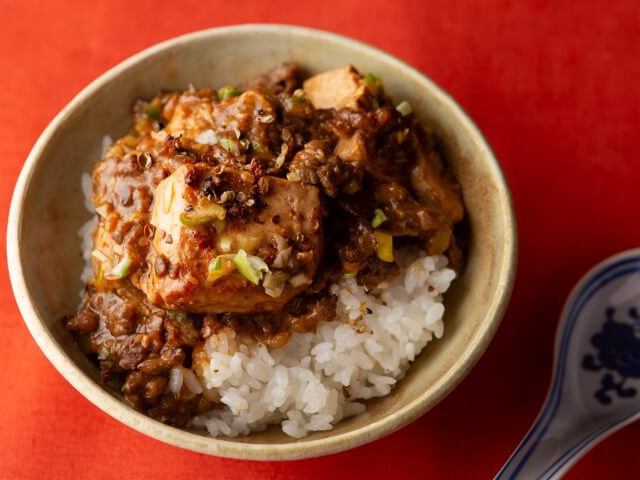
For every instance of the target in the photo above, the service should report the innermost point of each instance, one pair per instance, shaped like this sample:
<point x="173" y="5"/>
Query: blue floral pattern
<point x="618" y="351"/>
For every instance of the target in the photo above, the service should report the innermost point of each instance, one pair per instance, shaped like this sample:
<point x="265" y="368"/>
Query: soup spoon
<point x="595" y="388"/>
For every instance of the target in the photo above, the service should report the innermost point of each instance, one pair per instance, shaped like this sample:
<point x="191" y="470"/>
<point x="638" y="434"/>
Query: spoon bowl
<point x="595" y="389"/>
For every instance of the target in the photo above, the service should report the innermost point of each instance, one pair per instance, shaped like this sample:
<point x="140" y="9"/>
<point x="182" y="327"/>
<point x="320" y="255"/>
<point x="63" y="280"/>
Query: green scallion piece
<point x="216" y="265"/>
<point x="152" y="111"/>
<point x="257" y="147"/>
<point x="228" y="91"/>
<point x="230" y="146"/>
<point x="259" y="265"/>
<point x="245" y="268"/>
<point x="274" y="283"/>
<point x="219" y="226"/>
<point x="219" y="267"/>
<point x="194" y="221"/>
<point x="404" y="108"/>
<point x="379" y="218"/>
<point x="372" y="79"/>
<point x="385" y="246"/>
<point x="349" y="274"/>
<point x="252" y="268"/>
<point x="121" y="270"/>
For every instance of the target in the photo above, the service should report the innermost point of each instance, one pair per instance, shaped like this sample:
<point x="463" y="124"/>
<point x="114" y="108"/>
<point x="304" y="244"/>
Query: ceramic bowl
<point x="43" y="246"/>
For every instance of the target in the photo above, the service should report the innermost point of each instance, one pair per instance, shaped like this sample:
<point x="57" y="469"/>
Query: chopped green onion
<point x="216" y="265"/>
<point x="219" y="226"/>
<point x="379" y="218"/>
<point x="246" y="268"/>
<point x="257" y="147"/>
<point x="404" y="108"/>
<point x="258" y="264"/>
<point x="203" y="215"/>
<point x="349" y="274"/>
<point x="372" y="79"/>
<point x="152" y="111"/>
<point x="178" y="314"/>
<point x="121" y="270"/>
<point x="298" y="100"/>
<point x="274" y="283"/>
<point x="219" y="267"/>
<point x="251" y="267"/>
<point x="230" y="146"/>
<point x="282" y="258"/>
<point x="228" y="91"/>
<point x="385" y="246"/>
<point x="189" y="221"/>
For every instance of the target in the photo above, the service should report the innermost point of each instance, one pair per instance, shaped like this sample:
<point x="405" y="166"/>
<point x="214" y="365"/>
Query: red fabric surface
<point x="553" y="85"/>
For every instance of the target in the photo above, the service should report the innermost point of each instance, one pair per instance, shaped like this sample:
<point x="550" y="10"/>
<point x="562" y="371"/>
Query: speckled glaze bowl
<point x="43" y="247"/>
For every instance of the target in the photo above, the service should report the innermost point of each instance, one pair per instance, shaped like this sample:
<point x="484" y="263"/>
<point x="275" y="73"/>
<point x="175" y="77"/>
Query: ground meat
<point x="360" y="244"/>
<point x="259" y="325"/>
<point x="375" y="272"/>
<point x="121" y="318"/>
<point x="316" y="165"/>
<point x="135" y="380"/>
<point x="406" y="215"/>
<point x="169" y="358"/>
<point x="268" y="253"/>
<point x="181" y="330"/>
<point x="155" y="387"/>
<point x="84" y="322"/>
<point x="129" y="352"/>
<point x="178" y="411"/>
<point x="284" y="78"/>
<point x="346" y="121"/>
<point x="304" y="312"/>
<point x="143" y="390"/>
<point x="295" y="166"/>
<point x="120" y="231"/>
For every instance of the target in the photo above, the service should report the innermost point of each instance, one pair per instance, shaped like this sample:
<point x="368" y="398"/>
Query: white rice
<point x="86" y="230"/>
<point x="318" y="378"/>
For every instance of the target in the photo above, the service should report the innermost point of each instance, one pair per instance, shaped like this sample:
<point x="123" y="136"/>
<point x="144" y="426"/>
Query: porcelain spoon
<point x="595" y="389"/>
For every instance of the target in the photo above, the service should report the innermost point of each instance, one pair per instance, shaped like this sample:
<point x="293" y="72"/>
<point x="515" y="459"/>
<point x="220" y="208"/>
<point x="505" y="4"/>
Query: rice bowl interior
<point x="241" y="268"/>
<point x="437" y="371"/>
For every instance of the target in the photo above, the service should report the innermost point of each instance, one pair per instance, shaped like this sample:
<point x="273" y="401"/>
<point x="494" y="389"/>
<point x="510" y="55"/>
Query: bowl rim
<point x="295" y="449"/>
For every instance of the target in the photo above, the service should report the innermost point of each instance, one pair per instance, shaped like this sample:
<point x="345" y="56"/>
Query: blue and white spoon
<point x="595" y="389"/>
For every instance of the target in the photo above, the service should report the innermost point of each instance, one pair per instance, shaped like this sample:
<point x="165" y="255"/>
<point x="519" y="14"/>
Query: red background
<point x="553" y="85"/>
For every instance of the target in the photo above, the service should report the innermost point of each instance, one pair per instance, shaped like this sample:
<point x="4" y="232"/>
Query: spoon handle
<point x="555" y="442"/>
